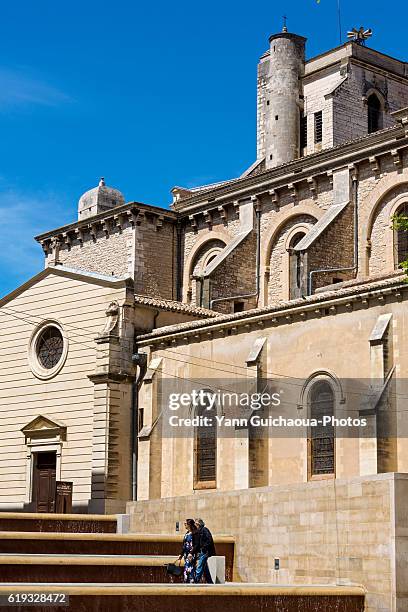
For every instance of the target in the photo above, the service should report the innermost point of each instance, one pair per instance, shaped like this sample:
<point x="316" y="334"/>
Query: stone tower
<point x="280" y="99"/>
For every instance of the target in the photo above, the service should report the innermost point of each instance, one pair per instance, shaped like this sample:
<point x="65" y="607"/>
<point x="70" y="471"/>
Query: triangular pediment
<point x="43" y="424"/>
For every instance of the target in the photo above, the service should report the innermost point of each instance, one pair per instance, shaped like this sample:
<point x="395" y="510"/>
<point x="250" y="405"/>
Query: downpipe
<point x="140" y="361"/>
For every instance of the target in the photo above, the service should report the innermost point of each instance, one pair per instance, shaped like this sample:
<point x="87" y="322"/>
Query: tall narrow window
<point x="318" y="127"/>
<point x="295" y="268"/>
<point x="374" y="114"/>
<point x="401" y="238"/>
<point x="205" y="446"/>
<point x="303" y="133"/>
<point x="322" y="438"/>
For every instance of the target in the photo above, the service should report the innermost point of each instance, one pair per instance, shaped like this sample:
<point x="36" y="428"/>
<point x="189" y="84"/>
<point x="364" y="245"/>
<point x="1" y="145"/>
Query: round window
<point x="47" y="350"/>
<point x="50" y="346"/>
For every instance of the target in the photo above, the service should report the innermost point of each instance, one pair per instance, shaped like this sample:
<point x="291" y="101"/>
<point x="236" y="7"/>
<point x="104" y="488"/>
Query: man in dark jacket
<point x="206" y="549"/>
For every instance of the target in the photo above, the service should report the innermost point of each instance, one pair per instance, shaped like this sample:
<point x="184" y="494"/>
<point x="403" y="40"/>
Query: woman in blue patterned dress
<point x="189" y="550"/>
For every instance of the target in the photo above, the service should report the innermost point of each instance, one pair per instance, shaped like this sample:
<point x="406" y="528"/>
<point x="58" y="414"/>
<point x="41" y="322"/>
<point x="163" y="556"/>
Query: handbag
<point x="173" y="569"/>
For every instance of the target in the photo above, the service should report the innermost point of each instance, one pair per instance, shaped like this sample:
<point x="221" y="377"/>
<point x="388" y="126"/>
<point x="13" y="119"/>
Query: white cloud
<point x="19" y="87"/>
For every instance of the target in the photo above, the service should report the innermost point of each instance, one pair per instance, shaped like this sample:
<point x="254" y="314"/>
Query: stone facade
<point x="345" y="532"/>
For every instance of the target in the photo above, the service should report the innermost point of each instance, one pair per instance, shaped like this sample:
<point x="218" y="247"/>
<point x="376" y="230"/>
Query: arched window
<point x="295" y="267"/>
<point x="401" y="238"/>
<point x="322" y="438"/>
<point x="205" y="444"/>
<point x="200" y="286"/>
<point x="374" y="114"/>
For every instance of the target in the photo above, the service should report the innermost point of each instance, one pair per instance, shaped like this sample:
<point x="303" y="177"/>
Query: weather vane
<point x="360" y="36"/>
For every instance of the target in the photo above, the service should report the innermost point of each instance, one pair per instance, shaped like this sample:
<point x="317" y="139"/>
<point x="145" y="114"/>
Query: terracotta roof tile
<point x="349" y="288"/>
<point x="173" y="306"/>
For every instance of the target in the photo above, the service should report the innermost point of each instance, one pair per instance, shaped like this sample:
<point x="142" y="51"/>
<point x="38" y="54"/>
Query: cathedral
<point x="289" y="274"/>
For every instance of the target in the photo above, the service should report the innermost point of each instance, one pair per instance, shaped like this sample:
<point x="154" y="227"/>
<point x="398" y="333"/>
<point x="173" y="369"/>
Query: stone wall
<point x="350" y="118"/>
<point x="110" y="254"/>
<point x="236" y="276"/>
<point x="326" y="532"/>
<point x="155" y="259"/>
<point x="334" y="249"/>
<point x="144" y="251"/>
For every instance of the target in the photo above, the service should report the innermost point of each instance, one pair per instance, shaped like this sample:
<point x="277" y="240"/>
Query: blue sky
<point x="149" y="95"/>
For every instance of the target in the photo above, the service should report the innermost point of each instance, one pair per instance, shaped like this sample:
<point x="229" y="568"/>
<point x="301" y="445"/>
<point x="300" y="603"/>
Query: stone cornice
<point x="290" y="175"/>
<point x="298" y="170"/>
<point x="110" y="377"/>
<point x="317" y="305"/>
<point x="132" y="211"/>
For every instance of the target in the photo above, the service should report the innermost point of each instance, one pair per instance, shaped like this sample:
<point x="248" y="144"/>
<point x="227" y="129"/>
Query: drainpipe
<point x="258" y="266"/>
<point x="140" y="360"/>
<point x="354" y="267"/>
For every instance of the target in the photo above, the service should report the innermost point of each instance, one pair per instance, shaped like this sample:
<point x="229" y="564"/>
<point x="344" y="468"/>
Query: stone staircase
<point x="84" y="558"/>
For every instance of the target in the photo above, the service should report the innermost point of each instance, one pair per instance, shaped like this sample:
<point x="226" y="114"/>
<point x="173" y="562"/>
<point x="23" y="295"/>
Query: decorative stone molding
<point x="353" y="169"/>
<point x="193" y="222"/>
<point x="94" y="232"/>
<point x="274" y="198"/>
<point x="293" y="191"/>
<point x="79" y="235"/>
<point x="223" y="213"/>
<point x="312" y="183"/>
<point x="140" y="217"/>
<point x="112" y="320"/>
<point x="208" y="218"/>
<point x="397" y="157"/>
<point x="375" y="165"/>
<point x="104" y="378"/>
<point x="37" y="368"/>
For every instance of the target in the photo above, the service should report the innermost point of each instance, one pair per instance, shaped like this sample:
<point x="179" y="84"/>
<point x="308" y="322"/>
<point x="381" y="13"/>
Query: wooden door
<point x="44" y="481"/>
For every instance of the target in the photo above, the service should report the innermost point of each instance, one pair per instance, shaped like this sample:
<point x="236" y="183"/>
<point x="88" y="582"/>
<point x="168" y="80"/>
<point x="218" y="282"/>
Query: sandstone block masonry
<point x="345" y="531"/>
<point x="139" y="243"/>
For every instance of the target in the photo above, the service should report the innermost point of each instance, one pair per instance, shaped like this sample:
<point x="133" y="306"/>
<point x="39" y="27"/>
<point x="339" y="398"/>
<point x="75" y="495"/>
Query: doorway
<point x="44" y="476"/>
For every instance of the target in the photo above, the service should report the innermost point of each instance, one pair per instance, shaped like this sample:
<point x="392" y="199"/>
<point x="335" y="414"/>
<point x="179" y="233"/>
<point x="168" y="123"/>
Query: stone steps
<point x="85" y="568"/>
<point x="196" y="598"/>
<point x="73" y="523"/>
<point x="106" y="544"/>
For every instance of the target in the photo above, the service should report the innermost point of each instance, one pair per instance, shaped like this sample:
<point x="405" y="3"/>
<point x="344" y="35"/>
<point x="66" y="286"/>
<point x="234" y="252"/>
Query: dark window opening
<point x="374" y="114"/>
<point x="295" y="267"/>
<point x="50" y="347"/>
<point x="322" y="439"/>
<point x="276" y="117"/>
<point x="303" y="131"/>
<point x="337" y="280"/>
<point x="140" y="419"/>
<point x="318" y="127"/>
<point x="239" y="306"/>
<point x="205" y="455"/>
<point x="267" y="103"/>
